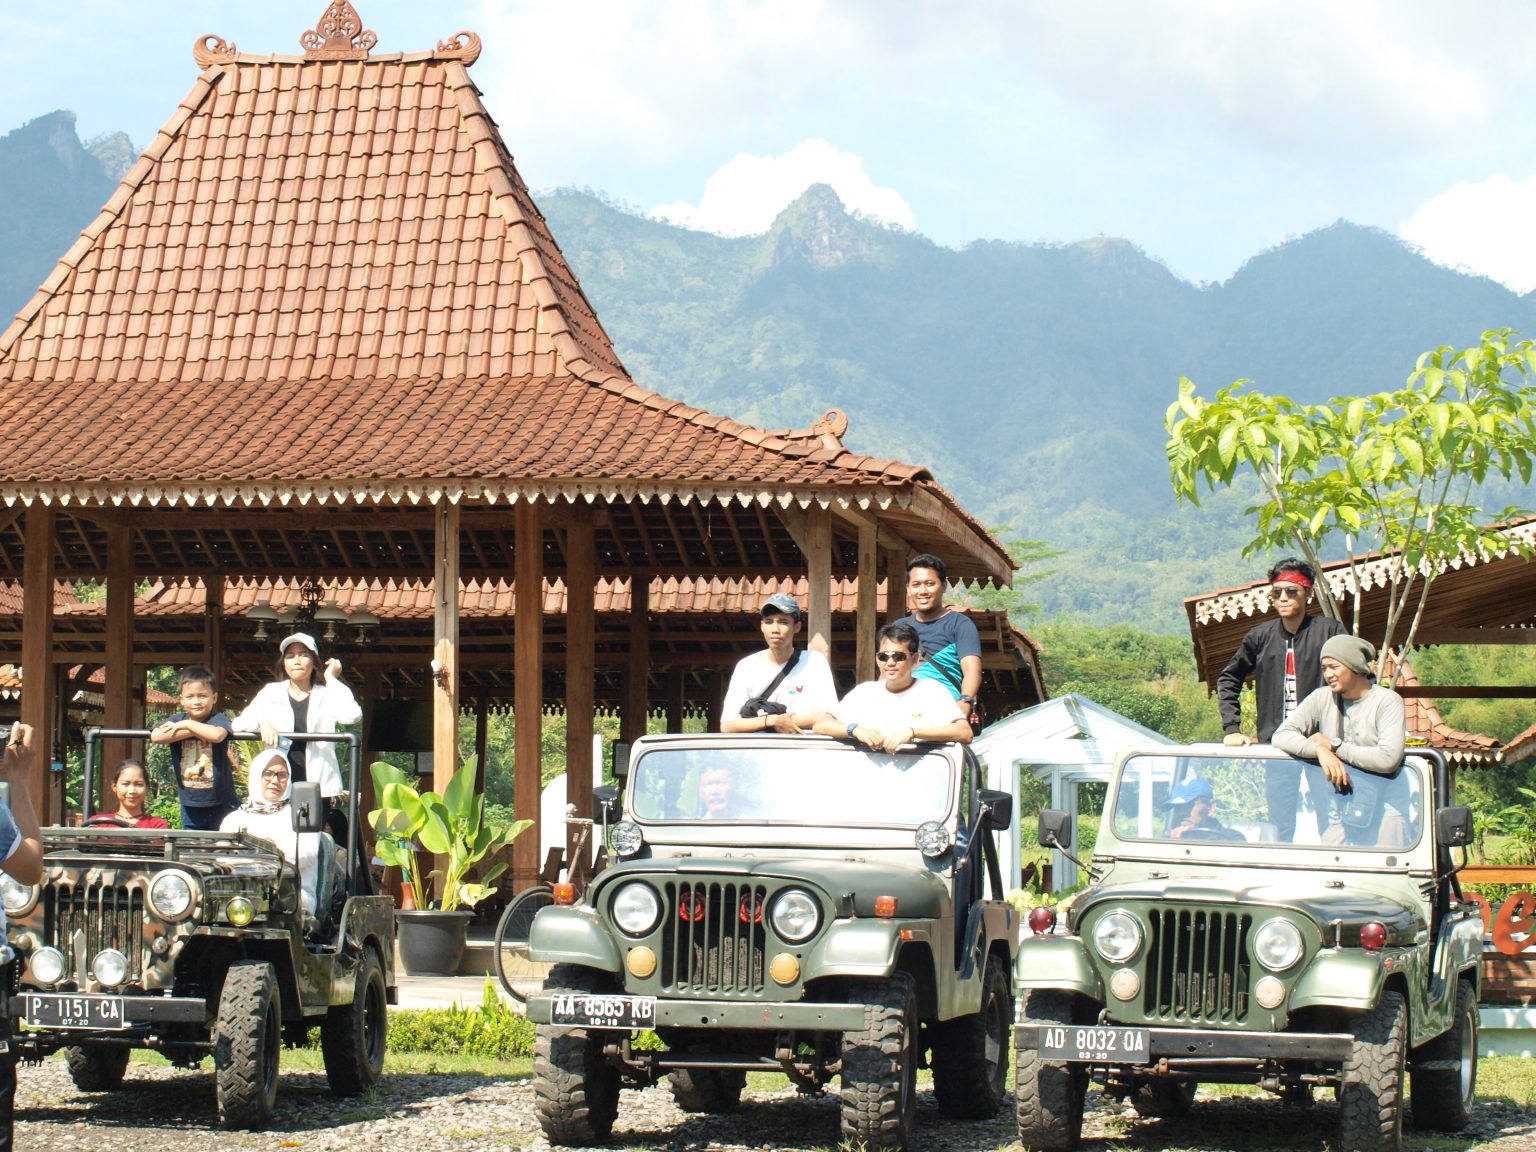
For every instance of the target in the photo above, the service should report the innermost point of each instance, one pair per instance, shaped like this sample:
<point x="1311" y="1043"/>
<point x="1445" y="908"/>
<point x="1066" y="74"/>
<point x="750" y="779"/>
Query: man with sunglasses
<point x="897" y="708"/>
<point x="1284" y="658"/>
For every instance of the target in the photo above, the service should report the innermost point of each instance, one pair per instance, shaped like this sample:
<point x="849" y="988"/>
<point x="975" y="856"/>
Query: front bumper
<point x="1198" y="1046"/>
<point x="741" y="1015"/>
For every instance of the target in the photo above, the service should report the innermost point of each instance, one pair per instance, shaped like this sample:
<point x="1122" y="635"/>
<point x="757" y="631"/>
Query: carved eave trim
<point x="210" y="50"/>
<point x="338" y="35"/>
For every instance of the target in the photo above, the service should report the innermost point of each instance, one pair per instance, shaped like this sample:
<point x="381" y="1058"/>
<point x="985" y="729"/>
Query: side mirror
<point x="605" y="804"/>
<point x="308" y="807"/>
<point x="999" y="806"/>
<point x="1453" y="826"/>
<point x="1055" y="828"/>
<point x="621" y="759"/>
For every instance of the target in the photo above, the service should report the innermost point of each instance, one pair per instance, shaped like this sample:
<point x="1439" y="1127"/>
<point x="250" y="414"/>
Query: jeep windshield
<point x="817" y="784"/>
<point x="1250" y="799"/>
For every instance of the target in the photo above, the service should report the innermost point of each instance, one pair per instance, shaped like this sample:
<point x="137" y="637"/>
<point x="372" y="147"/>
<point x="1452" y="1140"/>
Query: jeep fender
<point x="856" y="948"/>
<point x="1340" y="980"/>
<point x="572" y="936"/>
<point x="1057" y="962"/>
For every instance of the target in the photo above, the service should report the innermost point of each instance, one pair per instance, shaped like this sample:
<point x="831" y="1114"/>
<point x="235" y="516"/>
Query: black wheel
<point x="707" y="1089"/>
<point x="1049" y="1097"/>
<point x="97" y="1069"/>
<point x="1168" y="1099"/>
<point x="1371" y="1091"/>
<point x="1444" y="1076"/>
<point x="970" y="1054"/>
<point x="518" y="974"/>
<point x="353" y="1036"/>
<point x="879" y="1100"/>
<point x="575" y="1090"/>
<point x="248" y="1038"/>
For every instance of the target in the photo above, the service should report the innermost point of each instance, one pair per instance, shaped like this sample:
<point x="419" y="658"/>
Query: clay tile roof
<point x="325" y="279"/>
<point x="1425" y="725"/>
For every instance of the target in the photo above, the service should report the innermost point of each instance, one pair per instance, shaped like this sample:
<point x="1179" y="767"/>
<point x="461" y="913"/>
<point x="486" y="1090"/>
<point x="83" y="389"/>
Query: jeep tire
<point x="575" y="1089"/>
<point x="879" y="1097"/>
<point x="1049" y="1097"/>
<point x="97" y="1068"/>
<point x="1444" y="1076"/>
<point x="707" y="1089"/>
<point x="353" y="1036"/>
<point x="970" y="1053"/>
<point x="1371" y="1088"/>
<point x="247" y="1041"/>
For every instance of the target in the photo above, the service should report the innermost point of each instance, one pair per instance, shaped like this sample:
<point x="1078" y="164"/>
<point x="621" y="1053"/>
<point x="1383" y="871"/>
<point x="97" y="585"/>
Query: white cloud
<point x="1482" y="226"/>
<point x="745" y="193"/>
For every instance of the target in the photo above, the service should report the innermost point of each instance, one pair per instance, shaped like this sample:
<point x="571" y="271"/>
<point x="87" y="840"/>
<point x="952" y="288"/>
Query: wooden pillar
<point x="482" y="740"/>
<point x="714" y="706"/>
<point x="675" y="699"/>
<point x="37" y="651"/>
<point x="580" y="662"/>
<point x="120" y="670"/>
<point x="895" y="584"/>
<point x="864" y="621"/>
<point x="213" y="626"/>
<point x="445" y="649"/>
<point x="818" y="571"/>
<point x="373" y="680"/>
<point x="528" y="686"/>
<point x="637" y="673"/>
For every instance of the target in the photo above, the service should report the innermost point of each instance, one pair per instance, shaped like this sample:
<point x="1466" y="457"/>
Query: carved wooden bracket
<point x="211" y="50"/>
<point x="339" y="35"/>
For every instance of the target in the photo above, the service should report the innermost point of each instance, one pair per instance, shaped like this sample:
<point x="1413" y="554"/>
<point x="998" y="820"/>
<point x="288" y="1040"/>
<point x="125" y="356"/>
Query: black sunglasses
<point x="894" y="657"/>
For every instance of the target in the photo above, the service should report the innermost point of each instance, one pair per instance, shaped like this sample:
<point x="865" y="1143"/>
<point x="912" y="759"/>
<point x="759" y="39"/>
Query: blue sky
<point x="1204" y="131"/>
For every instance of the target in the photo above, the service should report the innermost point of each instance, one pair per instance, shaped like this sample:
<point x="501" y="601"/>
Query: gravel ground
<point x="165" y="1108"/>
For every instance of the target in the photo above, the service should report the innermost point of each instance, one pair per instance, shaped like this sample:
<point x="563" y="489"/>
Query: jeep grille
<point x="1198" y="968"/>
<point x="95" y="915"/>
<point x="713" y="938"/>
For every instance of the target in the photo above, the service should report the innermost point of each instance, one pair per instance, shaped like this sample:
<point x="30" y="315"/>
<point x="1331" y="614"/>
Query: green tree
<point x="1391" y="472"/>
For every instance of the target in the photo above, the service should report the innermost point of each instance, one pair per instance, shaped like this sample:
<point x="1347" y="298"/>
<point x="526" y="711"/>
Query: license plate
<point x="593" y="1010"/>
<point x="51" y="1011"/>
<point x="1095" y="1043"/>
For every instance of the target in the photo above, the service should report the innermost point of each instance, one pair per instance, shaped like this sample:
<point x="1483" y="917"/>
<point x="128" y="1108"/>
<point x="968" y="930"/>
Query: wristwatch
<point x="851" y="727"/>
<point x="966" y="699"/>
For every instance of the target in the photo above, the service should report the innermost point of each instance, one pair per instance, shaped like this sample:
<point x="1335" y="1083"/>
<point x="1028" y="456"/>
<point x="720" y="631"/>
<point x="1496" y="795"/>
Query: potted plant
<point x="408" y="822"/>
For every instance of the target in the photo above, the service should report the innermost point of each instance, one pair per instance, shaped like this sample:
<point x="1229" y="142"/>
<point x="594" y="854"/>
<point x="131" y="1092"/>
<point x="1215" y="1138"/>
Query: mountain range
<point x="1031" y="378"/>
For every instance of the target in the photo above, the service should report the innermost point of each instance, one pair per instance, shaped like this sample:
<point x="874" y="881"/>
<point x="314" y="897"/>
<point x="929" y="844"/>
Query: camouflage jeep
<point x="789" y="904"/>
<point x="195" y="944"/>
<point x="1212" y="945"/>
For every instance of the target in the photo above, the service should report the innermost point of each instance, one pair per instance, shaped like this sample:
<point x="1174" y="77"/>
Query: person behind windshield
<point x="792" y="687"/>
<point x="268" y="814"/>
<point x="1190" y="816"/>
<point x="716" y="799"/>
<point x="896" y="709"/>
<point x="1350" y="722"/>
<point x="131" y="788"/>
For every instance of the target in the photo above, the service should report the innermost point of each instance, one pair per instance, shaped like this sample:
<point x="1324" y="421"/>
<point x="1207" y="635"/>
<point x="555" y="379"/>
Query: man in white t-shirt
<point x="803" y="692"/>
<point x="21" y="855"/>
<point x="897" y="709"/>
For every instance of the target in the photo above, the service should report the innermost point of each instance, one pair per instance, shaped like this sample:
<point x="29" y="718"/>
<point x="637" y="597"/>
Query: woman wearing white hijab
<point x="267" y="814"/>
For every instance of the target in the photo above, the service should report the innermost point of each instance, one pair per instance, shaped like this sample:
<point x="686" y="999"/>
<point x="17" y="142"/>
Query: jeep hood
<point x="1350" y="907"/>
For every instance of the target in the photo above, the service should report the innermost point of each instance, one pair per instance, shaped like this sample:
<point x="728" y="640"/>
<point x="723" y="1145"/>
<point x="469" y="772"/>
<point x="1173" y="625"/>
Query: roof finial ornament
<point x="339" y="35"/>
<point x="830" y="426"/>
<point x="463" y="46"/>
<point x="210" y="50"/>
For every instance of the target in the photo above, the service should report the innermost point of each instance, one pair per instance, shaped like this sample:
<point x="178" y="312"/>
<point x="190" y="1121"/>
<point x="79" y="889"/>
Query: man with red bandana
<point x="1284" y="657"/>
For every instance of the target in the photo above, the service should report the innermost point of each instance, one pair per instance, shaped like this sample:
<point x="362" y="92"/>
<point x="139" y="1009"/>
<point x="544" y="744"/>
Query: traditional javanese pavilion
<point x="321" y="336"/>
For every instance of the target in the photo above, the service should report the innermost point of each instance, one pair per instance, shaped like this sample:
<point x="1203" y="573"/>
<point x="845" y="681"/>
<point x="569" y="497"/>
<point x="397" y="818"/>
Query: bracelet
<point x="851" y="727"/>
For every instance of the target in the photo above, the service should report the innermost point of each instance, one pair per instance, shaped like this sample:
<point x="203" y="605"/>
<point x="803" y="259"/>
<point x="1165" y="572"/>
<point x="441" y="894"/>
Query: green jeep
<point x="1213" y="946"/>
<point x="789" y="904"/>
<point x="195" y="944"/>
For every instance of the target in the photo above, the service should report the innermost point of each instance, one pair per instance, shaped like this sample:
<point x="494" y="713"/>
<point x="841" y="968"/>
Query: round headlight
<point x="240" y="911"/>
<point x="17" y="898"/>
<point x="1277" y="945"/>
<point x="636" y="908"/>
<point x="1117" y="937"/>
<point x="170" y="896"/>
<point x="795" y="915"/>
<point x="932" y="838"/>
<point x="625" y="838"/>
<point x="110" y="968"/>
<point x="47" y="966"/>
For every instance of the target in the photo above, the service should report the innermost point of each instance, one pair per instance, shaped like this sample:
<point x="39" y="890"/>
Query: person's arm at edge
<point x="1296" y="731"/>
<point x="1229" y="685"/>
<point x="204" y="730"/>
<point x="341" y="703"/>
<point x="25" y="862"/>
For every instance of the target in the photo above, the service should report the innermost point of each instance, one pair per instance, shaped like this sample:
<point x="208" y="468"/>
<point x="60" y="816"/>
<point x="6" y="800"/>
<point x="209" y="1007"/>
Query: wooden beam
<point x="445" y="649"/>
<point x="1429" y="636"/>
<point x="864" y="627"/>
<point x="213" y="626"/>
<point x="818" y="571"/>
<point x="528" y="687"/>
<point x="580" y="657"/>
<point x="637" y="672"/>
<point x="369" y="701"/>
<point x="1467" y="692"/>
<point x="117" y="712"/>
<point x="36" y="652"/>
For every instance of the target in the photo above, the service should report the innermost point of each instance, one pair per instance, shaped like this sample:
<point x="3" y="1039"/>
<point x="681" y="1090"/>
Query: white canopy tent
<point x="1067" y="741"/>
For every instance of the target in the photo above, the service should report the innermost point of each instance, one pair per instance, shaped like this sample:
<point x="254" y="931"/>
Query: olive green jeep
<point x="1213" y="944"/>
<point x="196" y="944"/>
<point x="791" y="904"/>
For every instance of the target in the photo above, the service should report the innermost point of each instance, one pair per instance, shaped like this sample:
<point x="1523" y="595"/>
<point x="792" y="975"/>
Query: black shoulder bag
<point x="760" y="705"/>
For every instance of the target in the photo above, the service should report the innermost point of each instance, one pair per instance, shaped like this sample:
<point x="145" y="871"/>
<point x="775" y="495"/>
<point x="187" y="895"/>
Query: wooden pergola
<point x="321" y="331"/>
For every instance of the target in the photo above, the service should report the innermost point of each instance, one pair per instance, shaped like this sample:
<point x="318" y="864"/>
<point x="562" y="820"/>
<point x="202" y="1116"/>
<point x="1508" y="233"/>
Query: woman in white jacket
<point x="307" y="698"/>
<point x="267" y="814"/>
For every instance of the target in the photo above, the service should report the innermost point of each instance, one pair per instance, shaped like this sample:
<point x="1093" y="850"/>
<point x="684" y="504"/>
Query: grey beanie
<point x="1351" y="651"/>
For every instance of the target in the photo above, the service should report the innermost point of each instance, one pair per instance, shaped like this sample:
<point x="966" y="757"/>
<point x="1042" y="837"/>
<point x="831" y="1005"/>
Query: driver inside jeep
<point x="268" y="814"/>
<point x="1190" y="807"/>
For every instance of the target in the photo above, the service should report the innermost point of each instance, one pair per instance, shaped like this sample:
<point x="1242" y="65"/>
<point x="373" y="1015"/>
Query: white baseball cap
<point x="303" y="638"/>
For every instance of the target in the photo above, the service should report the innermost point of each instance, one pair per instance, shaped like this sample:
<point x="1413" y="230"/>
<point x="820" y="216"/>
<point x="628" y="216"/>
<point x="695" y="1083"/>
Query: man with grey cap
<point x="1351" y="722"/>
<point x="782" y="688"/>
